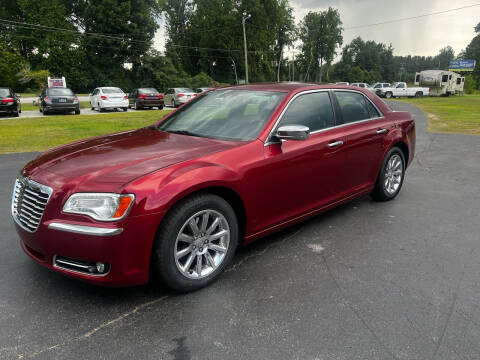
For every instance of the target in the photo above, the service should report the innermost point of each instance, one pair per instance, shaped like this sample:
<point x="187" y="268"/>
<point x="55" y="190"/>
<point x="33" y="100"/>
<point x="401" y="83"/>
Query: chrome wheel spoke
<point x="198" y="268"/>
<point x="180" y="254"/>
<point x="193" y="226"/>
<point x="213" y="226"/>
<point x="188" y="263"/>
<point x="185" y="238"/>
<point x="205" y="218"/>
<point x="217" y="248"/>
<point x="218" y="235"/>
<point x="210" y="260"/>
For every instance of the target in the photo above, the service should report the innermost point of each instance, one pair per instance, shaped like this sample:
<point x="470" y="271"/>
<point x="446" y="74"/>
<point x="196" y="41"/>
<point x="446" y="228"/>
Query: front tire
<point x="391" y="176"/>
<point x="388" y="95"/>
<point x="196" y="242"/>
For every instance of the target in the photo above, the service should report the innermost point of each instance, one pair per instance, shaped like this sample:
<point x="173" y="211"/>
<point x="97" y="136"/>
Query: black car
<point x="9" y="102"/>
<point x="145" y="98"/>
<point x="58" y="100"/>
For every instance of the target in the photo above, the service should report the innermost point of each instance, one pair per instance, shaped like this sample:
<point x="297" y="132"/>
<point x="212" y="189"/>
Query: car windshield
<point x="225" y="114"/>
<point x="184" y="90"/>
<point x="59" y="92"/>
<point x="4" y="92"/>
<point x="148" y="91"/>
<point x="112" y="91"/>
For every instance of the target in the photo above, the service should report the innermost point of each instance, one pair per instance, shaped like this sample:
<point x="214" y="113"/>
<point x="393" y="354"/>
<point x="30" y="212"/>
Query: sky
<point x="424" y="36"/>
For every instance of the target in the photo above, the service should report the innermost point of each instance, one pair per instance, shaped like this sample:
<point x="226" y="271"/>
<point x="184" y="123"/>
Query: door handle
<point x="381" y="131"/>
<point x="335" y="144"/>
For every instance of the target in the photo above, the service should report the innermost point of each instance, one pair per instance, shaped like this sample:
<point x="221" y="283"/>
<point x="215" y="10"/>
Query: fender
<point x="159" y="191"/>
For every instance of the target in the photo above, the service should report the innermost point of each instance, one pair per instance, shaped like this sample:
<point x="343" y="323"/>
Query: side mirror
<point x="293" y="132"/>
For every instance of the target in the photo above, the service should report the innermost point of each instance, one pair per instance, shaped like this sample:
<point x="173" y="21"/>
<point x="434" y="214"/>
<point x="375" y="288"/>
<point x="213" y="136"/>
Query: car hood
<point x="123" y="157"/>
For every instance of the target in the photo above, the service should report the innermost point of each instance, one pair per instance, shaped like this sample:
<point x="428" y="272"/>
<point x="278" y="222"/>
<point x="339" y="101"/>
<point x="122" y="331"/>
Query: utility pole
<point x="244" y="18"/>
<point x="235" y="69"/>
<point x="293" y="70"/>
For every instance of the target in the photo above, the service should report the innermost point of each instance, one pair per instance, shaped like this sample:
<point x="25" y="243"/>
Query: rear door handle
<point x="335" y="144"/>
<point x="381" y="131"/>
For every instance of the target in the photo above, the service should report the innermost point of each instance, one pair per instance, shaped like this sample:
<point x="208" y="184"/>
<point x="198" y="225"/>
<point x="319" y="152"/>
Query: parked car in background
<point x="202" y="89"/>
<point x="342" y="83"/>
<point x="145" y="98"/>
<point x="235" y="164"/>
<point x="178" y="96"/>
<point x="361" y="85"/>
<point x="377" y="87"/>
<point x="399" y="89"/>
<point x="9" y="102"/>
<point x="108" y="98"/>
<point x="58" y="99"/>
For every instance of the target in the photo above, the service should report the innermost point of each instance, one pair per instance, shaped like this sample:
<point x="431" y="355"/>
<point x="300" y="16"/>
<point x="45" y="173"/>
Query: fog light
<point x="100" y="267"/>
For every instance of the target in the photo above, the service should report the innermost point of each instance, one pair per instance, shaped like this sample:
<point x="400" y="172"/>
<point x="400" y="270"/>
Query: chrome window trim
<point x="85" y="230"/>
<point x="270" y="135"/>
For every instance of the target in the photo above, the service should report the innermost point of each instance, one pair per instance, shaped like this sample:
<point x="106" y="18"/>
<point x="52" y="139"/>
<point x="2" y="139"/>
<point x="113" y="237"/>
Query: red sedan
<point x="178" y="197"/>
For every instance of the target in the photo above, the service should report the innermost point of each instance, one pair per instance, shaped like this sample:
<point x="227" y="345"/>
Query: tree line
<point x="110" y="42"/>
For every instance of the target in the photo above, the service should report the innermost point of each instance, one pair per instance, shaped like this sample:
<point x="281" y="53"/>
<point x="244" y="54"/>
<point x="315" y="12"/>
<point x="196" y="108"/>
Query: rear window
<point x="184" y="90"/>
<point x="444" y="78"/>
<point x="59" y="92"/>
<point x="459" y="81"/>
<point x="4" y="92"/>
<point x="148" y="91"/>
<point x="112" y="91"/>
<point x="353" y="106"/>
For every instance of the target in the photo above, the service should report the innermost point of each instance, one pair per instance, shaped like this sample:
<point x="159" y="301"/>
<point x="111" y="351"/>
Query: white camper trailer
<point x="441" y="82"/>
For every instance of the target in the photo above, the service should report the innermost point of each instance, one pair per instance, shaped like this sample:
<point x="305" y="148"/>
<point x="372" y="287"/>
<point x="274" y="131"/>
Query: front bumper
<point x="152" y="103"/>
<point x="125" y="247"/>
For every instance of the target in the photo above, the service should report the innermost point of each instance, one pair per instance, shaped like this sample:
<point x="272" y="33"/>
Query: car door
<point x="365" y="129"/>
<point x="299" y="176"/>
<point x="400" y="90"/>
<point x="93" y="103"/>
<point x="168" y="97"/>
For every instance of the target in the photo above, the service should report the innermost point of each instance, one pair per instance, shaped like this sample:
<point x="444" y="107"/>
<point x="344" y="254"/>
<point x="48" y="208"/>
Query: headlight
<point x="99" y="206"/>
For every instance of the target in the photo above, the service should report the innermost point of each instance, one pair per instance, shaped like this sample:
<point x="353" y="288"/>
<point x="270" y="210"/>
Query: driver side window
<point x="313" y="110"/>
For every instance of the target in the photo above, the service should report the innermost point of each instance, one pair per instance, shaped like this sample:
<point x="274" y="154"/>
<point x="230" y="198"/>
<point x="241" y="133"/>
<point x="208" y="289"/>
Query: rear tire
<point x="205" y="252"/>
<point x="100" y="109"/>
<point x="419" y="94"/>
<point x="77" y="111"/>
<point x="391" y="176"/>
<point x="388" y="95"/>
<point x="125" y="109"/>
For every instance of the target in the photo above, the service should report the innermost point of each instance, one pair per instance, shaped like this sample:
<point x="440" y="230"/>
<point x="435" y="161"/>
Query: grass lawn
<point x="41" y="133"/>
<point x="455" y="114"/>
<point x="29" y="106"/>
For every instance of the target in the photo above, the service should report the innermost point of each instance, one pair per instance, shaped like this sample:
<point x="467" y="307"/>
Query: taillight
<point x="103" y="97"/>
<point x="180" y="95"/>
<point x="160" y="96"/>
<point x="195" y="94"/>
<point x="142" y="96"/>
<point x="7" y="100"/>
<point x="125" y="97"/>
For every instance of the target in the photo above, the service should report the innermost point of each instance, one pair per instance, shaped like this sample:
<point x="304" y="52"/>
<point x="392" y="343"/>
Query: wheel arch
<point x="404" y="148"/>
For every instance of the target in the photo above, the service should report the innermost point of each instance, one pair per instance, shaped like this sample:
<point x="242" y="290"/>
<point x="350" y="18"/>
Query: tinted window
<point x="372" y="110"/>
<point x="444" y="78"/>
<point x="225" y="114"/>
<point x="184" y="90"/>
<point x="459" y="81"/>
<point x="313" y="110"/>
<point x="59" y="92"/>
<point x="401" y="86"/>
<point x="417" y="78"/>
<point x="148" y="91"/>
<point x="361" y="85"/>
<point x="353" y="106"/>
<point x="4" y="92"/>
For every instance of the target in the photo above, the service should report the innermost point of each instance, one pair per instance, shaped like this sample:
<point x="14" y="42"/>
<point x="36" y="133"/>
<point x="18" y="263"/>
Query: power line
<point x="411" y="17"/>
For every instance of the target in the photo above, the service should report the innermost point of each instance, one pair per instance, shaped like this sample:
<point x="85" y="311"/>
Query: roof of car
<point x="288" y="86"/>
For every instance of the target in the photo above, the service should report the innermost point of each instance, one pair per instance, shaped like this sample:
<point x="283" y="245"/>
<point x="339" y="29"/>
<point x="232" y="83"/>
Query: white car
<point x="108" y="98"/>
<point x="361" y="85"/>
<point x="342" y="83"/>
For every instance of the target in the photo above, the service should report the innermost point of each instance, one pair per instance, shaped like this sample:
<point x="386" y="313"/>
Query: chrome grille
<point x="29" y="200"/>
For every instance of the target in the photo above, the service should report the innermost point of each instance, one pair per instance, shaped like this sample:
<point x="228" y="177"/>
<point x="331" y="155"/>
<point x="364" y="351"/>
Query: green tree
<point x="10" y="64"/>
<point x="321" y="34"/>
<point x="472" y="51"/>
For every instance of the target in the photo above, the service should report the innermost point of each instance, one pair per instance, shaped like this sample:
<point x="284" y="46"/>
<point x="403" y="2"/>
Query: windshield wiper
<point x="184" y="132"/>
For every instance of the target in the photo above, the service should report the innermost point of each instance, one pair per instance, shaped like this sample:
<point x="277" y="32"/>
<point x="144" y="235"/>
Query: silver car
<point x="178" y="96"/>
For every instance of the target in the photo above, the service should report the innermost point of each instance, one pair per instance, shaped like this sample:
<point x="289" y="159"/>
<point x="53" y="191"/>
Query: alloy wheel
<point x="202" y="244"/>
<point x="393" y="174"/>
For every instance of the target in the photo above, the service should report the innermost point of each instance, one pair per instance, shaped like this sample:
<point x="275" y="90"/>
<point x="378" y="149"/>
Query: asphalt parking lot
<point x="396" y="280"/>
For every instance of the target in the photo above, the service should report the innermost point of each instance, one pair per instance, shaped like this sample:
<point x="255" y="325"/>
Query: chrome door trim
<point x="268" y="139"/>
